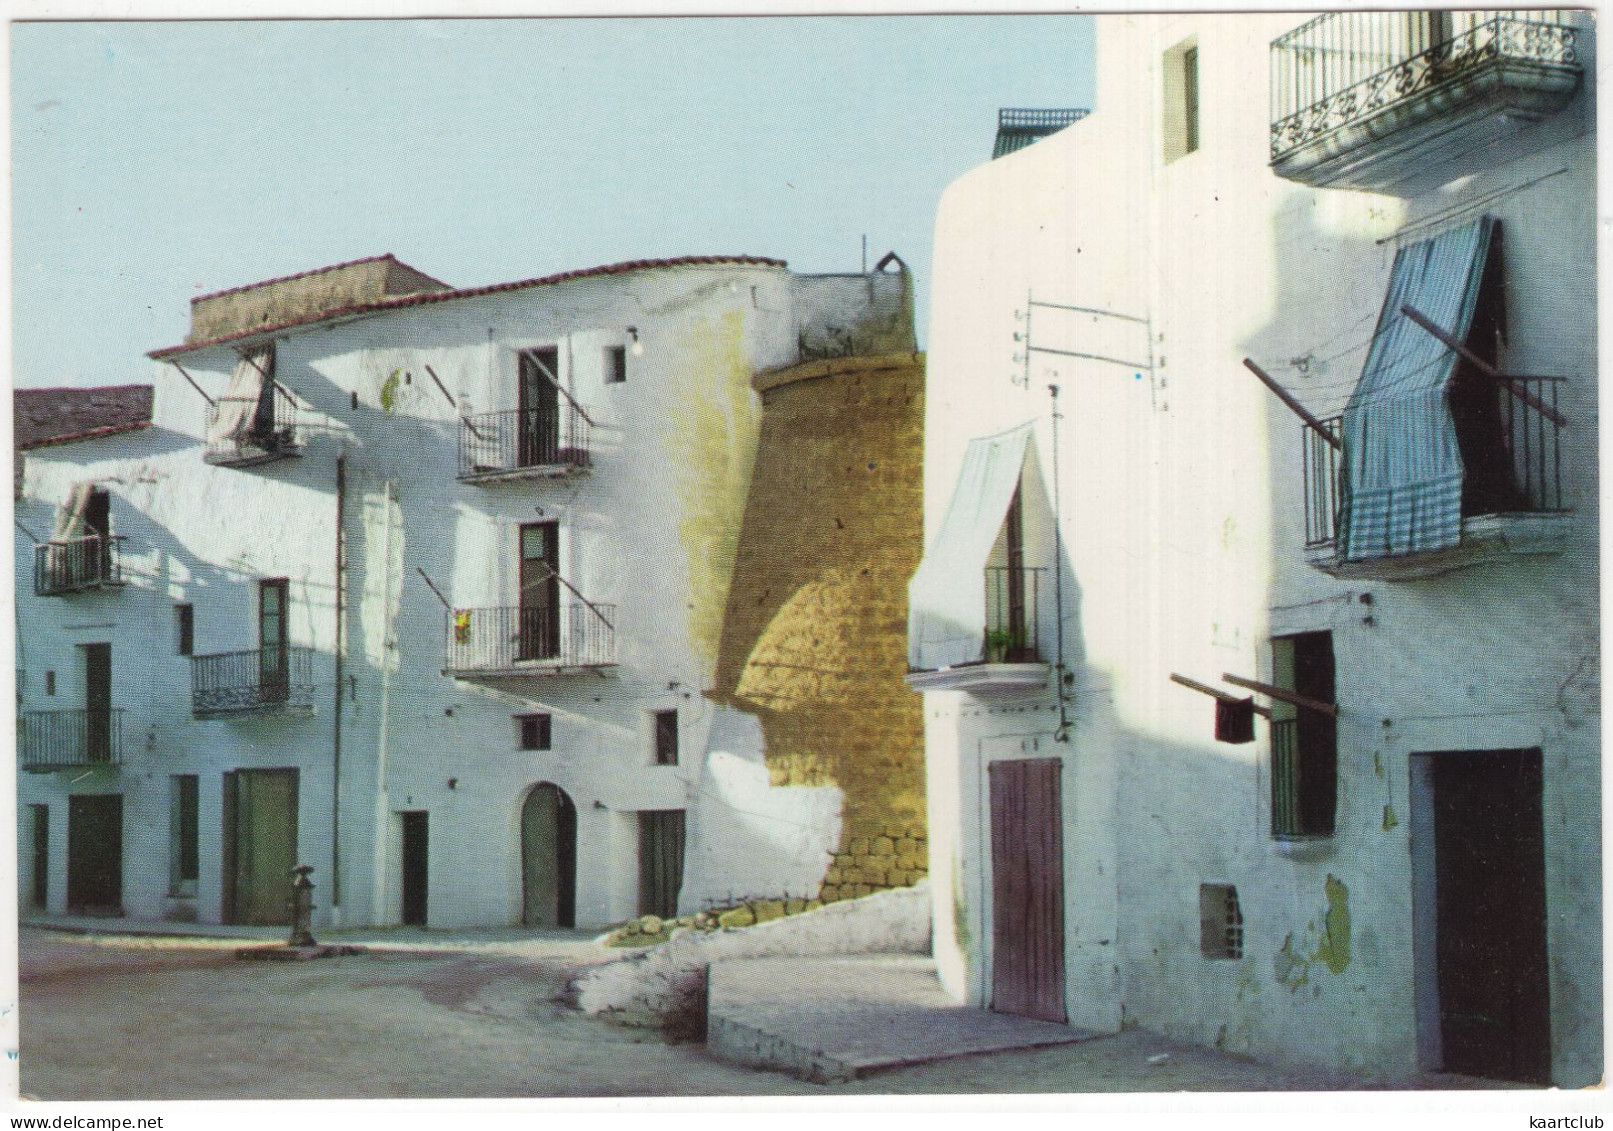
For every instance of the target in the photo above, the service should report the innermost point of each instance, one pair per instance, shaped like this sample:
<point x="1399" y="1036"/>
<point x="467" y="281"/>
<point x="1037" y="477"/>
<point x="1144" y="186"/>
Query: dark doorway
<point x="260" y="845"/>
<point x="1027" y="907"/>
<point x="98" y="524"/>
<point x="414" y="868"/>
<point x="540" y="591"/>
<point x="660" y="861"/>
<point x="548" y="858"/>
<point x="1490" y="905"/>
<point x="539" y="436"/>
<point x="39" y="879"/>
<point x="95" y="853"/>
<point x="97" y="702"/>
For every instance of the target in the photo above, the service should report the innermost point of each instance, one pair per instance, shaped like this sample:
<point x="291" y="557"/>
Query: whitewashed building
<point x="416" y="585"/>
<point x="1390" y="860"/>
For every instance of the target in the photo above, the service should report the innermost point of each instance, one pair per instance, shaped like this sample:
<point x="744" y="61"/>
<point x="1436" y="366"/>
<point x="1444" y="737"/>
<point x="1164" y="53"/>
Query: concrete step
<point x="844" y="1017"/>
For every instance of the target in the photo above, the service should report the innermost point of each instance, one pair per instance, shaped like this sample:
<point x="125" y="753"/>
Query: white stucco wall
<point x="1182" y="524"/>
<point x="650" y="529"/>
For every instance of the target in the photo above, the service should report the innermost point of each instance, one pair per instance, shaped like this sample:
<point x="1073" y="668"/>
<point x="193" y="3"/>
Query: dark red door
<point x="1027" y="888"/>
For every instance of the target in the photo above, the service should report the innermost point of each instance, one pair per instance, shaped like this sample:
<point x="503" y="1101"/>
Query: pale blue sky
<point x="157" y="161"/>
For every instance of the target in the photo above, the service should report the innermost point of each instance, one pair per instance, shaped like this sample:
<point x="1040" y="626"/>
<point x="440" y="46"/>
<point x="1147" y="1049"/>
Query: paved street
<point x="110" y="1017"/>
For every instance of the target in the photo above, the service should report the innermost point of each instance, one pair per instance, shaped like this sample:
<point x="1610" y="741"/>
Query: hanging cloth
<point x="947" y="596"/>
<point x="1402" y="489"/>
<point x="238" y="407"/>
<point x="70" y="526"/>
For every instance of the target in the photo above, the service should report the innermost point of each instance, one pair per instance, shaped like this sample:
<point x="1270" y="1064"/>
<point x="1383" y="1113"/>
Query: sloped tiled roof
<point x="471" y="292"/>
<point x="57" y="416"/>
<point x="1017" y="128"/>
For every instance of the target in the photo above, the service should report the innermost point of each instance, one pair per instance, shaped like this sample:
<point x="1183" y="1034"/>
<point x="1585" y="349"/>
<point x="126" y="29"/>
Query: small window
<point x="1220" y="921"/>
<point x="183" y="824"/>
<point x="615" y="365"/>
<point x="50" y="683"/>
<point x="536" y="731"/>
<point x="1181" y="124"/>
<point x="185" y="623"/>
<point x="666" y="738"/>
<point x="1304" y="743"/>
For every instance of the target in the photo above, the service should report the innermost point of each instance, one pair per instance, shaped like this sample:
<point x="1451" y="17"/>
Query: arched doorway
<point x="548" y="858"/>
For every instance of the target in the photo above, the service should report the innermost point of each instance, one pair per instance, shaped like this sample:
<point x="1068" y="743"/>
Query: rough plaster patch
<point x="1333" y="949"/>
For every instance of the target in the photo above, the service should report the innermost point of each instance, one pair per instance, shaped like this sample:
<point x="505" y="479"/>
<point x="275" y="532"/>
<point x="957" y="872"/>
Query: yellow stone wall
<point x="814" y="638"/>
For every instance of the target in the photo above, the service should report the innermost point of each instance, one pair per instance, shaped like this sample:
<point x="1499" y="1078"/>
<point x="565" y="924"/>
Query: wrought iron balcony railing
<point x="1353" y="78"/>
<point x="534" y="641"/>
<point x="274" y="432"/>
<point x="260" y="679"/>
<point x="497" y="445"/>
<point x="52" y="740"/>
<point x="78" y="564"/>
<point x="1523" y="477"/>
<point x="1013" y="600"/>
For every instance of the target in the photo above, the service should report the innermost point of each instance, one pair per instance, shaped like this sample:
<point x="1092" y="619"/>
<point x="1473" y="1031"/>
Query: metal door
<point x="1027" y="887"/>
<point x="548" y="858"/>
<point x="660" y="861"/>
<point x="260" y="845"/>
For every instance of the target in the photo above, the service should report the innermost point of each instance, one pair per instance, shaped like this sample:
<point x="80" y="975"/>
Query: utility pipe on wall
<point x="336" y="714"/>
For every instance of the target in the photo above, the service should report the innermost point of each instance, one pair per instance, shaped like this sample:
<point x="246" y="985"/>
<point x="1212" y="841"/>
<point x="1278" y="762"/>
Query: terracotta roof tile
<point x="57" y="416"/>
<point x="469" y="292"/>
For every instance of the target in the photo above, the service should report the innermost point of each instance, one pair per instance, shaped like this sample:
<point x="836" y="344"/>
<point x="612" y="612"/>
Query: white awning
<point x="946" y="619"/>
<point x="239" y="404"/>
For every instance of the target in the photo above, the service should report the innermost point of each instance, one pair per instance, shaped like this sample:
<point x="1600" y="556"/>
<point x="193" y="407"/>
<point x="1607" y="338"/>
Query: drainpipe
<point x="1063" y="734"/>
<point x="336" y="714"/>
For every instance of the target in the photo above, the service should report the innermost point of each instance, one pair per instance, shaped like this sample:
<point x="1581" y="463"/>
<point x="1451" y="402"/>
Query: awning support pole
<point x="1287" y="398"/>
<point x="434" y="588"/>
<point x="1485" y="367"/>
<point x="1217" y="693"/>
<point x="192" y="381"/>
<point x="1292" y="698"/>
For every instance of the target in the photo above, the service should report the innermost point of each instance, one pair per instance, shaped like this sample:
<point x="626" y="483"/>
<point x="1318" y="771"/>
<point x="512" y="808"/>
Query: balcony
<point x="1011" y="653"/>
<point x="543" y="641"/>
<point x="61" y="740"/>
<point x="273" y="432"/>
<point x="523" y="444"/>
<point x="76" y="565"/>
<point x="260" y="680"/>
<point x="1517" y="510"/>
<point x="1370" y="100"/>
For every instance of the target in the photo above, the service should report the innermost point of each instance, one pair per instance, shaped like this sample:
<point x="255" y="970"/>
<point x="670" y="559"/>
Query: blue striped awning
<point x="1402" y="467"/>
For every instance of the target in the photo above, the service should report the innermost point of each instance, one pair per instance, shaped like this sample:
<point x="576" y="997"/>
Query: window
<point x="182" y="826"/>
<point x="1220" y="921"/>
<point x="274" y="675"/>
<point x="1304" y="743"/>
<point x="50" y="683"/>
<point x="185" y="624"/>
<point x="666" y="738"/>
<point x="536" y="731"/>
<point x="1181" y="124"/>
<point x="615" y="365"/>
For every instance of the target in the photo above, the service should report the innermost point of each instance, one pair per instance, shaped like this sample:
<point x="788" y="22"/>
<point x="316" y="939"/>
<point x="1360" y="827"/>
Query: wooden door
<point x="539" y="637"/>
<point x="260" y="845"/>
<point x="1027" y="906"/>
<point x="660" y="861"/>
<point x="1490" y="904"/>
<point x="415" y="858"/>
<point x="97" y="702"/>
<point x="548" y="858"/>
<point x="95" y="853"/>
<point x="274" y="678"/>
<point x="538" y="435"/>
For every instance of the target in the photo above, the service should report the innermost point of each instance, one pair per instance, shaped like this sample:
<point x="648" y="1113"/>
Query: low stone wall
<point x="665" y="986"/>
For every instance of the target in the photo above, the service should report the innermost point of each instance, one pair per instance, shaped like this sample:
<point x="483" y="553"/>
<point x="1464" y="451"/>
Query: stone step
<point x="840" y="1018"/>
